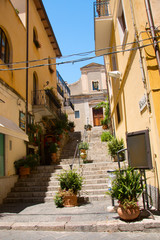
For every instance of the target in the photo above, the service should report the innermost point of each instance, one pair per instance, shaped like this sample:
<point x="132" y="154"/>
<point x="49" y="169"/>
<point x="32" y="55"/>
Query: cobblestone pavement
<point x="91" y="217"/>
<point x="48" y="235"/>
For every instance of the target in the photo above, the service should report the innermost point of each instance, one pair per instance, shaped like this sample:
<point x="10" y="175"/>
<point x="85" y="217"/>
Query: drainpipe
<point x="152" y="28"/>
<point x="27" y="58"/>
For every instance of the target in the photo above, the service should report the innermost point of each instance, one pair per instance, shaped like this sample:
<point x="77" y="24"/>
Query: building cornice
<point x="47" y="26"/>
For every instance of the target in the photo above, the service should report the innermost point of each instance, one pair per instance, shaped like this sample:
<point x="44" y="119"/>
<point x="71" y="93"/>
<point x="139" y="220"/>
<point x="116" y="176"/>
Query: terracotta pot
<point x="83" y="153"/>
<point x="24" y="171"/>
<point x="70" y="201"/>
<point x="128" y="213"/>
<point x="53" y="157"/>
<point x="104" y="127"/>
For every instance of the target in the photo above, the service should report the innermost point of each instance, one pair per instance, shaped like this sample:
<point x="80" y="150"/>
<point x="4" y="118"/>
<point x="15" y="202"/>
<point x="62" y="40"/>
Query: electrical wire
<point x="78" y="54"/>
<point x="77" y="60"/>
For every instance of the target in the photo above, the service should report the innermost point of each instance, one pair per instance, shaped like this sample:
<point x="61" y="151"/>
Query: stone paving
<point x="91" y="217"/>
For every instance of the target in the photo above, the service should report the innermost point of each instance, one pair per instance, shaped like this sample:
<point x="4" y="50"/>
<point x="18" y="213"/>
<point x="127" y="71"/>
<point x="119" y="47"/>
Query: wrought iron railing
<point x="63" y="84"/>
<point x="102" y="8"/>
<point x="60" y="91"/>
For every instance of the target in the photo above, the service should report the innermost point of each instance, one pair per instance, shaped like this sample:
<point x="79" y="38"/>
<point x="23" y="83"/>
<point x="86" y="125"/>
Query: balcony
<point x="62" y="87"/>
<point x="102" y="26"/>
<point x="45" y="103"/>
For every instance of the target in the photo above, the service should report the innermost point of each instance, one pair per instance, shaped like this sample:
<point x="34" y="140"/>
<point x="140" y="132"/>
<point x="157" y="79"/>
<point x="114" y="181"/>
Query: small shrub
<point x="114" y="146"/>
<point x="58" y="199"/>
<point x="106" y="137"/>
<point x="70" y="180"/>
<point x="83" y="145"/>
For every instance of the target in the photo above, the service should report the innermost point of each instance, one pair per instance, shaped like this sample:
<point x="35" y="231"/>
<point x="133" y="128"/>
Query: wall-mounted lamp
<point x="115" y="74"/>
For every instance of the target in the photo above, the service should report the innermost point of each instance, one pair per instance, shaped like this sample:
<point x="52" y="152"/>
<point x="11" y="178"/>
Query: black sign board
<point x="139" y="151"/>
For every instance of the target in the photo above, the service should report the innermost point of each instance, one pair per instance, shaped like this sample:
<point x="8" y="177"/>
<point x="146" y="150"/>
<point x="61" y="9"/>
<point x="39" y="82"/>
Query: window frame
<point x="93" y="87"/>
<point x="5" y="57"/>
<point x="77" y="111"/>
<point x="122" y="23"/>
<point x="118" y="113"/>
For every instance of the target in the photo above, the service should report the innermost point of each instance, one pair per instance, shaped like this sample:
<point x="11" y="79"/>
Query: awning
<point x="8" y="127"/>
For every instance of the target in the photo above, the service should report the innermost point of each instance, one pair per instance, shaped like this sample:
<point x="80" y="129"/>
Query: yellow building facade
<point x="123" y="35"/>
<point x="42" y="47"/>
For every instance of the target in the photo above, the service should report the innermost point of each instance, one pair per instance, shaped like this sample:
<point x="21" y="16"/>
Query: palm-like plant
<point x="126" y="187"/>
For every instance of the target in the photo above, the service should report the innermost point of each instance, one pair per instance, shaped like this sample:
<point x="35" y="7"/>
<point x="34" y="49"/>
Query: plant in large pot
<point x="88" y="127"/>
<point x="71" y="126"/>
<point x="115" y="145"/>
<point x="24" y="165"/>
<point x="83" y="147"/>
<point x="127" y="188"/>
<point x="70" y="184"/>
<point x="53" y="151"/>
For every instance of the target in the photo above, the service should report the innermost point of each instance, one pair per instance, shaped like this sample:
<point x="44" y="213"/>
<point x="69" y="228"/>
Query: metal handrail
<point x="76" y="153"/>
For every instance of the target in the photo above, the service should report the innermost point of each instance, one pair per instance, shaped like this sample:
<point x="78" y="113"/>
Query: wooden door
<point x="97" y="116"/>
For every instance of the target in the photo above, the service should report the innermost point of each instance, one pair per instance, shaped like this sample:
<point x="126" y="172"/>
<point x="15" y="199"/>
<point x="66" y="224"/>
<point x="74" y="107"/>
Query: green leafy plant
<point x="106" y="137"/>
<point x="83" y="145"/>
<point x="105" y="105"/>
<point x="71" y="125"/>
<point x="70" y="180"/>
<point x="58" y="199"/>
<point x="53" y="147"/>
<point x="114" y="146"/>
<point x="31" y="160"/>
<point x="88" y="127"/>
<point x="126" y="187"/>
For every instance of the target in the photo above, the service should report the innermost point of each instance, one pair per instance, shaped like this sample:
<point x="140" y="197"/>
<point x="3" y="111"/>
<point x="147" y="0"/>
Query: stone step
<point x="99" y="186"/>
<point x="36" y="188"/>
<point x="95" y="192"/>
<point x="92" y="198"/>
<point x="94" y="172"/>
<point x="24" y="200"/>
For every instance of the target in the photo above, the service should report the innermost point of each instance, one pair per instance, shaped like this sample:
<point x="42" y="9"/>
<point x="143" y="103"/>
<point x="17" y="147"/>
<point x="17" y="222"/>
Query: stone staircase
<point x="41" y="185"/>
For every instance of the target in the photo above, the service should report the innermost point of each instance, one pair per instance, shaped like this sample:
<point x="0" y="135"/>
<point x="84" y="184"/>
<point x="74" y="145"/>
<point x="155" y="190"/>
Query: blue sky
<point x="73" y="25"/>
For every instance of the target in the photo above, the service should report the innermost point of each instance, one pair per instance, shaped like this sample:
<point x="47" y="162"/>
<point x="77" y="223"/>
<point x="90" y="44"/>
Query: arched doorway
<point x="97" y="116"/>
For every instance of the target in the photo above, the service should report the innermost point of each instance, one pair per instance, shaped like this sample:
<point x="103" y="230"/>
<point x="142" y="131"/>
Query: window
<point x="118" y="113"/>
<point x="4" y="47"/>
<point x="35" y="38"/>
<point x="77" y="115"/>
<point x="22" y="120"/>
<point x="122" y="26"/>
<point x="95" y="85"/>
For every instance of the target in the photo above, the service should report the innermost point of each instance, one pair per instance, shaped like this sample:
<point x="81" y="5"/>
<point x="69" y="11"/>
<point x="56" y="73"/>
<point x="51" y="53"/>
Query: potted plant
<point x="53" y="151"/>
<point x="71" y="126"/>
<point x="83" y="146"/>
<point x="126" y="188"/>
<point x="24" y="165"/>
<point x="70" y="184"/>
<point x="114" y="146"/>
<point x="88" y="127"/>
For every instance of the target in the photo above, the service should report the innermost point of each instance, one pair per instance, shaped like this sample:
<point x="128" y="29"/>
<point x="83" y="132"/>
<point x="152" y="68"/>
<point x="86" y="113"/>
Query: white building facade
<point x="86" y="93"/>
